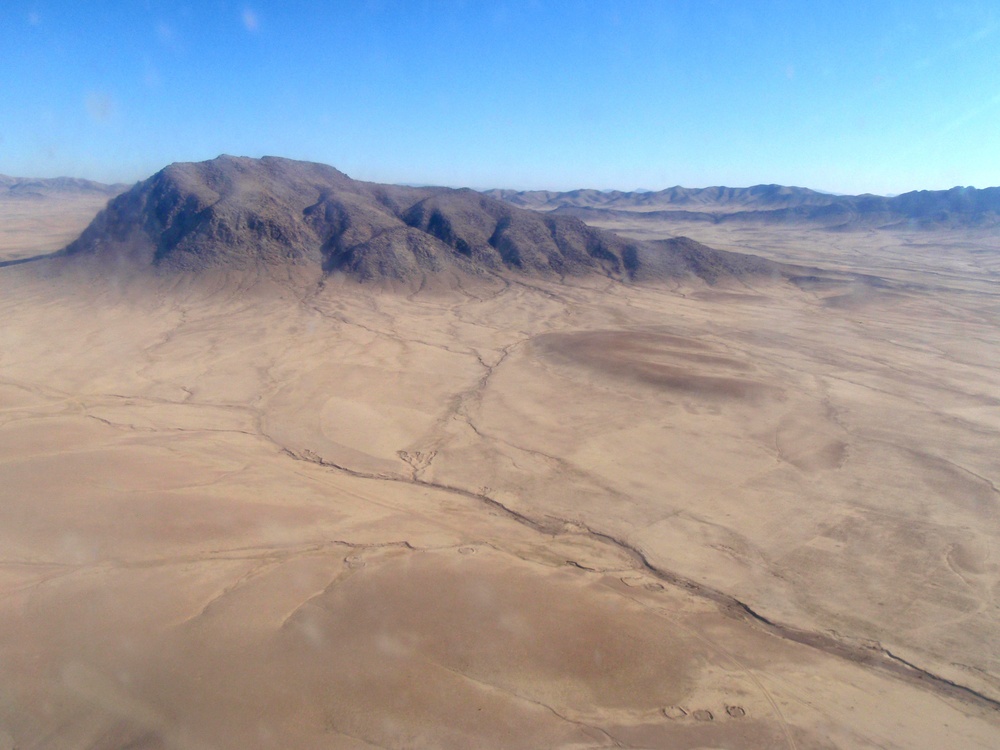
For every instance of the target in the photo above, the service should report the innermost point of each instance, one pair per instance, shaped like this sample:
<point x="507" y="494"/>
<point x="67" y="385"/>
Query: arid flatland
<point x="523" y="511"/>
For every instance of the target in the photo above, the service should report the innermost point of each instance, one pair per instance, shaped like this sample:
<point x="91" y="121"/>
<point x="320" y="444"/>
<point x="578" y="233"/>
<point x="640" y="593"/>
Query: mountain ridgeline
<point x="772" y="204"/>
<point x="234" y="212"/>
<point x="39" y="188"/>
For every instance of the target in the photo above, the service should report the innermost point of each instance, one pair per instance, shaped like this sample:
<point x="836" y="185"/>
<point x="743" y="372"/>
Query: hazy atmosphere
<point x="843" y="96"/>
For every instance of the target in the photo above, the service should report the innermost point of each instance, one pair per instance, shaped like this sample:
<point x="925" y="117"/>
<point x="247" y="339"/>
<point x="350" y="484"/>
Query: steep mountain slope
<point x="234" y="212"/>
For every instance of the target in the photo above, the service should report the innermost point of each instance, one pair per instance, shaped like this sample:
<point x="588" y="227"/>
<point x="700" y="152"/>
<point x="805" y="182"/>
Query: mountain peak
<point x="238" y="212"/>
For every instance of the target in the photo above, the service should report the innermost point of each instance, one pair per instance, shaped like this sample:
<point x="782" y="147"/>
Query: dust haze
<point x="748" y="499"/>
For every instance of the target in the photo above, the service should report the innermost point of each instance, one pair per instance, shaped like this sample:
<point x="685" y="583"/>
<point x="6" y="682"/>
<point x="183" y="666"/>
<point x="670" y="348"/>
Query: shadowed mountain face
<point x="771" y="204"/>
<point x="247" y="213"/>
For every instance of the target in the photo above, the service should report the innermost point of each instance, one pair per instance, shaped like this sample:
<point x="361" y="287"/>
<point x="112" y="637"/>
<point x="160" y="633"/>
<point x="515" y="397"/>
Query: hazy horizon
<point x="484" y="188"/>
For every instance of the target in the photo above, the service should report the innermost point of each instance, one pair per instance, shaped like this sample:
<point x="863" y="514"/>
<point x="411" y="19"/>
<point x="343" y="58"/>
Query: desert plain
<point x="520" y="514"/>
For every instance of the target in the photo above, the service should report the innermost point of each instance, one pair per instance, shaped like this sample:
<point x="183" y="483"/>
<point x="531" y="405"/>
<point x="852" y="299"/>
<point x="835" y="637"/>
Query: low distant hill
<point x="34" y="188"/>
<point x="234" y="212"/>
<point x="923" y="209"/>
<point x="675" y="198"/>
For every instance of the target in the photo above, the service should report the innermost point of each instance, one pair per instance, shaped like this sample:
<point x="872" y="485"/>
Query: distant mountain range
<point x="922" y="209"/>
<point x="271" y="213"/>
<point x="716" y="198"/>
<point x="28" y="188"/>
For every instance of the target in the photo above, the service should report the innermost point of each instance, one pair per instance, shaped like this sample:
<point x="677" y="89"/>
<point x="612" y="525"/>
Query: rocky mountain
<point x="923" y="209"/>
<point x="235" y="212"/>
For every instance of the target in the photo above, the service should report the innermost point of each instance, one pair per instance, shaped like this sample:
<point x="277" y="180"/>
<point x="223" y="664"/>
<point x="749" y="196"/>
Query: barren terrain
<point x="35" y="227"/>
<point x="531" y="514"/>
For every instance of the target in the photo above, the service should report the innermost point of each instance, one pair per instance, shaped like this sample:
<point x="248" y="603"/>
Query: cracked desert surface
<point x="521" y="515"/>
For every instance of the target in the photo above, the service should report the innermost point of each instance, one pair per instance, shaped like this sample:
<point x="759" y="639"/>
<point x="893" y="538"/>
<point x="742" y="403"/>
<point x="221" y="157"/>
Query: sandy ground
<point x="534" y="516"/>
<point x="33" y="226"/>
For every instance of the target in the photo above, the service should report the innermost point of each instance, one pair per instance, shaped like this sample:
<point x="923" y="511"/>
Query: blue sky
<point x="843" y="96"/>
